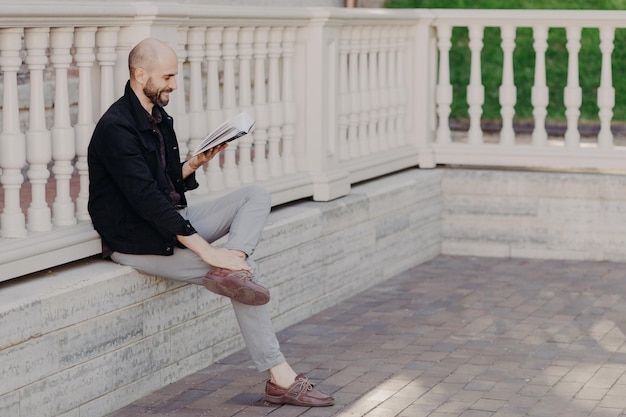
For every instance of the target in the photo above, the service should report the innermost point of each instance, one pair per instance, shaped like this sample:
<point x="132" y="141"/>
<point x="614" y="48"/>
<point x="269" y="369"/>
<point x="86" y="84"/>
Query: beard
<point x="155" y="95"/>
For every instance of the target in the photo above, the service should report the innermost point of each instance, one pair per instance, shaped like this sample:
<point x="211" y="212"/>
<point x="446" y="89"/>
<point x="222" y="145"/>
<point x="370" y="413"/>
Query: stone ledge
<point x="93" y="335"/>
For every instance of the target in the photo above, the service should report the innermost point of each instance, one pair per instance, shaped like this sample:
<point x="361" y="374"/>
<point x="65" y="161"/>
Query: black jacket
<point x="129" y="199"/>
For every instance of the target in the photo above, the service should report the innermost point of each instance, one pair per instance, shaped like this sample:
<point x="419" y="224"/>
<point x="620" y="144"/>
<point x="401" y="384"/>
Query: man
<point x="138" y="206"/>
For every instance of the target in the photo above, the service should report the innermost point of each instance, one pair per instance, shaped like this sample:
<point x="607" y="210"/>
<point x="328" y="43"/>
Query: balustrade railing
<point x="601" y="153"/>
<point x="339" y="96"/>
<point x="280" y="65"/>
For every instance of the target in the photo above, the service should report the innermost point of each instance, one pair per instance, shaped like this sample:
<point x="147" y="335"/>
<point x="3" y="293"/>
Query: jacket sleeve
<point x="123" y="155"/>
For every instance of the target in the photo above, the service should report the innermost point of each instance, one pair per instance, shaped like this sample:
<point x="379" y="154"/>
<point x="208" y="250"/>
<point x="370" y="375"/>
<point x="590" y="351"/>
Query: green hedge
<point x="524" y="59"/>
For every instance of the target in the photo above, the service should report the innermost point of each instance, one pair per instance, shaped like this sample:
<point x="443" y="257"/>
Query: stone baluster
<point x="393" y="87"/>
<point x="106" y="42"/>
<point x="12" y="140"/>
<point x="197" y="115"/>
<point x="344" y="94"/>
<point x="215" y="116"/>
<point x="444" y="88"/>
<point x="606" y="92"/>
<point x="289" y="103"/>
<point x="261" y="108"/>
<point x="364" y="94"/>
<point x="401" y="88"/>
<point x="355" y="97"/>
<point x="374" y="116"/>
<point x="383" y="114"/>
<point x="178" y="107"/>
<point x="85" y="43"/>
<point x="229" y="51"/>
<point x="539" y="92"/>
<point x="273" y="99"/>
<point x="475" y="89"/>
<point x="246" y="37"/>
<point x="573" y="92"/>
<point x="38" y="139"/>
<point x="508" y="91"/>
<point x="63" y="139"/>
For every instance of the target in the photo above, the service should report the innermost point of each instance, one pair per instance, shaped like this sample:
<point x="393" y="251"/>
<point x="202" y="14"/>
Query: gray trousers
<point x="242" y="215"/>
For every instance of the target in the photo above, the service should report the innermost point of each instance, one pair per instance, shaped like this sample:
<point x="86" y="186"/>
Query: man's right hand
<point x="218" y="257"/>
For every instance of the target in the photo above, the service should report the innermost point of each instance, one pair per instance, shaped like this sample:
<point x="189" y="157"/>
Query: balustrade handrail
<point x="339" y="95"/>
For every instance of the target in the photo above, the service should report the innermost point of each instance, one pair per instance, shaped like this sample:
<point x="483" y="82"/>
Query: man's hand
<point x="202" y="158"/>
<point x="218" y="257"/>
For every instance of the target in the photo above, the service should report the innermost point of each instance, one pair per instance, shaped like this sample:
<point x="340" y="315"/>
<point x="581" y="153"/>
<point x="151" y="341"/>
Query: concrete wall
<point x="507" y="213"/>
<point x="92" y="336"/>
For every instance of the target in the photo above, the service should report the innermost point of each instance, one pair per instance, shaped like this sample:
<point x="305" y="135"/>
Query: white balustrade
<point x="355" y="97"/>
<point x="475" y="89"/>
<point x="539" y="90"/>
<point x="344" y="94"/>
<point x="374" y="115"/>
<point x="508" y="91"/>
<point x="38" y="138"/>
<point x="229" y="56"/>
<point x="444" y="88"/>
<point x="85" y="58"/>
<point x="310" y="138"/>
<point x="12" y="140"/>
<point x="63" y="141"/>
<point x="289" y="111"/>
<point x="178" y="108"/>
<point x="606" y="92"/>
<point x="214" y="115"/>
<point x="246" y="38"/>
<point x="573" y="93"/>
<point x="364" y="93"/>
<point x="274" y="101"/>
<point x="383" y="121"/>
<point x="261" y="108"/>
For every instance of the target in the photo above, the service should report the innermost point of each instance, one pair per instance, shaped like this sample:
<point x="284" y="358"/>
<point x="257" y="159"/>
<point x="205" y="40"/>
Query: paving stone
<point x="453" y="337"/>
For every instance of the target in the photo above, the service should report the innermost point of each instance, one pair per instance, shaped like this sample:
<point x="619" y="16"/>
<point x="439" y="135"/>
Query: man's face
<point x="158" y="94"/>
<point x="162" y="81"/>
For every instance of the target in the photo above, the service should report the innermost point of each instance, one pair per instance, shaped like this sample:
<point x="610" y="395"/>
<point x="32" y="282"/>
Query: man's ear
<point x="140" y="76"/>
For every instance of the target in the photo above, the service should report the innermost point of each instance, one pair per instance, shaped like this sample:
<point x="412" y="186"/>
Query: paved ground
<point x="457" y="336"/>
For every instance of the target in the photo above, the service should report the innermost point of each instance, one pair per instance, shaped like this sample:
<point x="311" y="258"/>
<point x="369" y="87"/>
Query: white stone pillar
<point x="573" y="92"/>
<point x="85" y="58"/>
<point x="215" y="115"/>
<point x="63" y="140"/>
<point x="540" y="94"/>
<point x="606" y="92"/>
<point x="444" y="88"/>
<point x="229" y="53"/>
<point x="508" y="92"/>
<point x="246" y="37"/>
<point x="273" y="100"/>
<point x="289" y="110"/>
<point x="38" y="139"/>
<point x="475" y="89"/>
<point x="261" y="108"/>
<point x="12" y="140"/>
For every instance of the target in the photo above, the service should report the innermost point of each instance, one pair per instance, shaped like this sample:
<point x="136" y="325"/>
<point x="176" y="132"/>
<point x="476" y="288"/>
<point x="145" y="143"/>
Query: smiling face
<point x="160" y="83"/>
<point x="153" y="67"/>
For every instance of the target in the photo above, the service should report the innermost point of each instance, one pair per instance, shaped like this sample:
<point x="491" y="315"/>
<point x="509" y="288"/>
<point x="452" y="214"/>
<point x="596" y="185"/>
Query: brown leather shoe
<point x="237" y="285"/>
<point x="300" y="393"/>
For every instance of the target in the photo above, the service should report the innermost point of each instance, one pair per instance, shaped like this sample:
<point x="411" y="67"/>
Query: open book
<point x="231" y="129"/>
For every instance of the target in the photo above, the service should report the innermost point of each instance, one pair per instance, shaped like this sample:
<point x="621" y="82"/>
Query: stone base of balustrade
<point x="92" y="336"/>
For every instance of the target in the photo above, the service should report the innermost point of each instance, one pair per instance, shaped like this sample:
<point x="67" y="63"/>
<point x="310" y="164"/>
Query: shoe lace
<point x="302" y="386"/>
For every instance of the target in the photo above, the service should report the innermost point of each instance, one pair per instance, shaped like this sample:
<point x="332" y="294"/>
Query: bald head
<point x="153" y="66"/>
<point x="148" y="54"/>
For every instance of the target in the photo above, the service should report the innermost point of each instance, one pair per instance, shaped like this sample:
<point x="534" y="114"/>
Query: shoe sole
<point x="242" y="295"/>
<point x="293" y="401"/>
